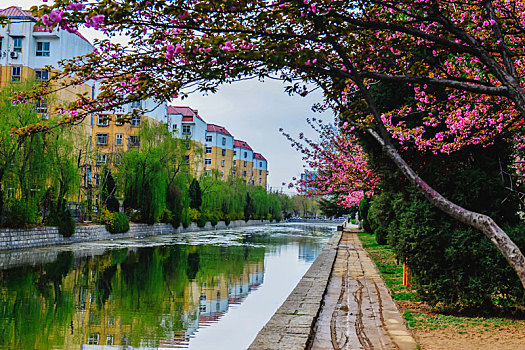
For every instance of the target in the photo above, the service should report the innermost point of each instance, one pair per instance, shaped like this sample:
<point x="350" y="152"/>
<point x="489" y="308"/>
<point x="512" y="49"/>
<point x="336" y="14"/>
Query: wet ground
<point x="358" y="312"/>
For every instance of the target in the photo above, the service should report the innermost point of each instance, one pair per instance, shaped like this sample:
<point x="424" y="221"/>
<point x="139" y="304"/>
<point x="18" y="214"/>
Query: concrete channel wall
<point x="292" y="324"/>
<point x="36" y="237"/>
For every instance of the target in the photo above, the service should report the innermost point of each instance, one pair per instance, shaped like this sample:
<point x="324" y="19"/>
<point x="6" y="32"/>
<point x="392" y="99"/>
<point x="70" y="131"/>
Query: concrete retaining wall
<point x="48" y="236"/>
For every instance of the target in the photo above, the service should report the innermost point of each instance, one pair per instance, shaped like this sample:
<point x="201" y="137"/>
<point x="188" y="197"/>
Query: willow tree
<point x="463" y="59"/>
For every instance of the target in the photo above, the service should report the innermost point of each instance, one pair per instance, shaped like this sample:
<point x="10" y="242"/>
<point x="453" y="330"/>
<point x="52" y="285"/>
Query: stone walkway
<point x="358" y="311"/>
<point x="340" y="303"/>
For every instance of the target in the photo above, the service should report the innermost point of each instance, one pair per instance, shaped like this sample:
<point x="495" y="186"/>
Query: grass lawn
<point x="434" y="329"/>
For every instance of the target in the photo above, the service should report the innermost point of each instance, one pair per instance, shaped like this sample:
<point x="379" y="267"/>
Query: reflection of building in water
<point x="214" y="298"/>
<point x="111" y="305"/>
<point x="308" y="252"/>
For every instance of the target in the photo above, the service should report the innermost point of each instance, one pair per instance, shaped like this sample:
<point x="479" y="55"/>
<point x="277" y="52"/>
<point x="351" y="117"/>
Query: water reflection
<point x="148" y="294"/>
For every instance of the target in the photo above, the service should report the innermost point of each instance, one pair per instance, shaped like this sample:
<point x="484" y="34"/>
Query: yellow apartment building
<point x="260" y="170"/>
<point x="219" y="151"/>
<point x="243" y="161"/>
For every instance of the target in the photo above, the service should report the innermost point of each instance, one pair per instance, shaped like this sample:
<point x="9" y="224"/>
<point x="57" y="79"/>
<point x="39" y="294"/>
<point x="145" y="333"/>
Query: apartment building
<point x="260" y="170"/>
<point x="243" y="161"/>
<point x="219" y="150"/>
<point x="111" y="136"/>
<point x="26" y="49"/>
<point x="186" y="123"/>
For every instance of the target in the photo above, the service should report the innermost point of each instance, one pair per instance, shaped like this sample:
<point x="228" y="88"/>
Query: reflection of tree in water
<point x="146" y="290"/>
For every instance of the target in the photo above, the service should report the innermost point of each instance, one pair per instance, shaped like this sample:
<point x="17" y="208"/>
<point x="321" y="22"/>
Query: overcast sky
<point x="252" y="111"/>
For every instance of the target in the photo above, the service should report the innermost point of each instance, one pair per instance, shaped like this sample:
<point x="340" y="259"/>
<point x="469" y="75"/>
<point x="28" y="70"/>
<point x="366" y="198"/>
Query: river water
<point x="200" y="290"/>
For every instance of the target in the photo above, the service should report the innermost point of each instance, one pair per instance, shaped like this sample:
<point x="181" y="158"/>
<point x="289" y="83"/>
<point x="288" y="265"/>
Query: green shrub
<point x="227" y="220"/>
<point x="176" y="219"/>
<point x="194" y="214"/>
<point x="213" y="219"/>
<point x="364" y="206"/>
<point x="380" y="215"/>
<point x="20" y="213"/>
<point x="66" y="224"/>
<point x="201" y="222"/>
<point x="166" y="216"/>
<point x="185" y="218"/>
<point x="120" y="223"/>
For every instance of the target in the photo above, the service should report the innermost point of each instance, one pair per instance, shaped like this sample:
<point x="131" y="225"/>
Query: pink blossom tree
<point x="465" y="61"/>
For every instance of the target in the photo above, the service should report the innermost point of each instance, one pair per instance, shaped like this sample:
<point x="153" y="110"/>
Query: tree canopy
<point x="464" y="61"/>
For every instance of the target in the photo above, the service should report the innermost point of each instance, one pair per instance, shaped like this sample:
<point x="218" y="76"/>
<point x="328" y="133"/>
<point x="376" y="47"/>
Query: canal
<point x="199" y="290"/>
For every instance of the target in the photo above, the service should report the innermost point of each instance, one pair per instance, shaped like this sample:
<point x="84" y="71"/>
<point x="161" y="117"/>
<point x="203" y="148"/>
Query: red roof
<point x="187" y="112"/>
<point x="217" y="128"/>
<point x="15" y="11"/>
<point x="242" y="144"/>
<point x="259" y="156"/>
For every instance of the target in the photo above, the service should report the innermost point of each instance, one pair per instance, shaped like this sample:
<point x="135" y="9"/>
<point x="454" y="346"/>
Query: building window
<point x="174" y="127"/>
<point x="42" y="48"/>
<point x="118" y="139"/>
<point x="209" y="138"/>
<point x="207" y="161"/>
<point x="111" y="321"/>
<point x="222" y="173"/>
<point x="93" y="338"/>
<point x="134" y="141"/>
<point x="223" y="152"/>
<point x="135" y="120"/>
<point x="245" y="154"/>
<point x="96" y="182"/>
<point x="102" y="139"/>
<point x="17" y="44"/>
<point x="136" y="104"/>
<point x="233" y="171"/>
<point x="16" y="73"/>
<point x="234" y="162"/>
<point x="244" y="173"/>
<point x="41" y="106"/>
<point x="102" y="159"/>
<point x="234" y="153"/>
<point x="186" y="129"/>
<point x="1" y="43"/>
<point x="260" y="180"/>
<point x="224" y="141"/>
<point x="222" y="163"/>
<point x="119" y="120"/>
<point x="103" y="120"/>
<point x="260" y="164"/>
<point x="41" y="75"/>
<point x="109" y="339"/>
<point x="245" y="163"/>
<point x="208" y="150"/>
<point x="187" y="158"/>
<point x="208" y="172"/>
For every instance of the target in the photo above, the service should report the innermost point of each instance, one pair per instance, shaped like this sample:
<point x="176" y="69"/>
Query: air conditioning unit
<point x="14" y="54"/>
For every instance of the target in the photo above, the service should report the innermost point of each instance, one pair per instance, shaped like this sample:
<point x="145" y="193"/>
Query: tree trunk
<point x="482" y="222"/>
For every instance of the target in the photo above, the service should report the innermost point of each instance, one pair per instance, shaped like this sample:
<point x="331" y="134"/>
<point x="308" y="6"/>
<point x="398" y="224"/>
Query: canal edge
<point x="292" y="325"/>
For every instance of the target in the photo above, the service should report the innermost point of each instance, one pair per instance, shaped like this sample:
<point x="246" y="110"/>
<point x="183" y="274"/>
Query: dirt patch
<point x="436" y="331"/>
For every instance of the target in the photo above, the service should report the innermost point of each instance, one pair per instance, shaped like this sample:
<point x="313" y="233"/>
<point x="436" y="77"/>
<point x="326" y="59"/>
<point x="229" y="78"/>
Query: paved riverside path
<point x="358" y="311"/>
<point x="340" y="303"/>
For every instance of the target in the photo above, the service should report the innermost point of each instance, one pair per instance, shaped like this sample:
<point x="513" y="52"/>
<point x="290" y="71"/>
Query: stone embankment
<point x="48" y="236"/>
